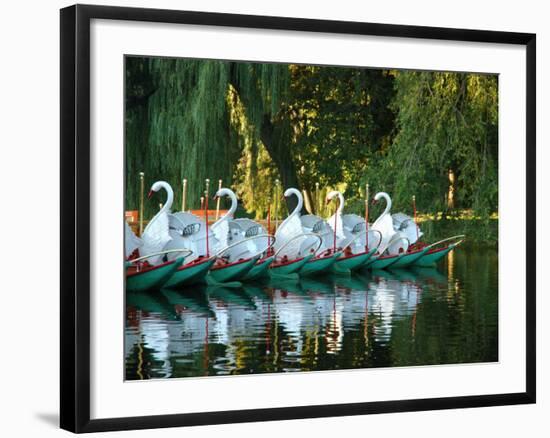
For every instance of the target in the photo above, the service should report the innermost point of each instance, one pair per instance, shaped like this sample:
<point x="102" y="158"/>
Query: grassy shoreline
<point x="479" y="232"/>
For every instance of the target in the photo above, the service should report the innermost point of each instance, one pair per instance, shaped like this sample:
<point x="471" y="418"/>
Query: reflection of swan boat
<point x="429" y="275"/>
<point x="320" y="285"/>
<point x="256" y="292"/>
<point x="352" y="282"/>
<point x="190" y="300"/>
<point x="150" y="277"/>
<point x="285" y="284"/>
<point x="231" y="296"/>
<point x="149" y="302"/>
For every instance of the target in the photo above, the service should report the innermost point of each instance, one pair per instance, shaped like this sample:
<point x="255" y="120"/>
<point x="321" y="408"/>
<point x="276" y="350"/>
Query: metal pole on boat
<point x="142" y="189"/>
<point x="317" y="206"/>
<point x="414" y="210"/>
<point x="206" y="215"/>
<point x="218" y="200"/>
<point x="335" y="227"/>
<point x="184" y="194"/>
<point x="277" y="182"/>
<point x="268" y="215"/>
<point x="367" y="214"/>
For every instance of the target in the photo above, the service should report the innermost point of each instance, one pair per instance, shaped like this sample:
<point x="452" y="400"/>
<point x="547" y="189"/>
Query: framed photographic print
<point x="271" y="218"/>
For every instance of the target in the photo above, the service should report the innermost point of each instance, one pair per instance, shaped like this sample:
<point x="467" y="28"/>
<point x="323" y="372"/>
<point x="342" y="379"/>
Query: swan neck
<point x="340" y="204"/>
<point x="166" y="208"/>
<point x="229" y="214"/>
<point x="388" y="203"/>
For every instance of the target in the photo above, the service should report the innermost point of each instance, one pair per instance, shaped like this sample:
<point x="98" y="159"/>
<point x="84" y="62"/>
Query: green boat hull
<point x="431" y="258"/>
<point x="190" y="273"/>
<point x="153" y="278"/>
<point x="291" y="267"/>
<point x="356" y="261"/>
<point x="317" y="265"/>
<point x="232" y="272"/>
<point x="260" y="269"/>
<point x="384" y="262"/>
<point x="409" y="259"/>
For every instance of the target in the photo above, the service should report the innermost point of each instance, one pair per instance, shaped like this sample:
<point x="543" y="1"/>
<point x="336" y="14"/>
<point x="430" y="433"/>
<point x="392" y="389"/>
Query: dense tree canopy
<point x="432" y="134"/>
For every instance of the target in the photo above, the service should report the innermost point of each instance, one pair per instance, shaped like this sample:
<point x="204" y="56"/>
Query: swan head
<point x="225" y="192"/>
<point x="332" y="195"/>
<point x="379" y="196"/>
<point x="157" y="186"/>
<point x="292" y="191"/>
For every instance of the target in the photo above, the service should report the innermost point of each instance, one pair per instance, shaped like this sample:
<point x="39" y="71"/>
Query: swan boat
<point x="400" y="247"/>
<point x="141" y="274"/>
<point x="241" y="247"/>
<point x="169" y="232"/>
<point x="150" y="277"/>
<point x="295" y="248"/>
<point x="350" y="233"/>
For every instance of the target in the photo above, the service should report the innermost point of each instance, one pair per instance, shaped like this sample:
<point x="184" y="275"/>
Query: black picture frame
<point x="75" y="217"/>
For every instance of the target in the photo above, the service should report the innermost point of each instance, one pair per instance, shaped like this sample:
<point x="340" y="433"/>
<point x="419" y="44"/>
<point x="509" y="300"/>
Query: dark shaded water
<point x="373" y="319"/>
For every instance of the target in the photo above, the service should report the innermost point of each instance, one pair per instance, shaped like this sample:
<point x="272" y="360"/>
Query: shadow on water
<point x="382" y="318"/>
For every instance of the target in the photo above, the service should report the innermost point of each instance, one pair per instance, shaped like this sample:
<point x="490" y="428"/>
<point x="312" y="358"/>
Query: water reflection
<point x="379" y="318"/>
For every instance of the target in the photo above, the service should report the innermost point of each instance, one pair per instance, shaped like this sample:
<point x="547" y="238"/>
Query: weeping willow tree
<point x="183" y="121"/>
<point x="445" y="149"/>
<point x="431" y="134"/>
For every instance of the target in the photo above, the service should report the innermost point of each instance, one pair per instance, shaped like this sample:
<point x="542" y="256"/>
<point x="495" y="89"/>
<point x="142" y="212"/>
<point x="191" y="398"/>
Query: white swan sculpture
<point x="350" y="228"/>
<point x="131" y="241"/>
<point x="393" y="242"/>
<point x="288" y="242"/>
<point x="230" y="231"/>
<point x="156" y="234"/>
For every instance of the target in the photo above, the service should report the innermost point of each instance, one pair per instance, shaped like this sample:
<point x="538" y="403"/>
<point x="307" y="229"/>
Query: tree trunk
<point x="279" y="151"/>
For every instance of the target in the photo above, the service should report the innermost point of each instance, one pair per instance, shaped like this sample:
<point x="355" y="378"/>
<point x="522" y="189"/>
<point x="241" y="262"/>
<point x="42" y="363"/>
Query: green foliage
<point x="249" y="124"/>
<point x="446" y="122"/>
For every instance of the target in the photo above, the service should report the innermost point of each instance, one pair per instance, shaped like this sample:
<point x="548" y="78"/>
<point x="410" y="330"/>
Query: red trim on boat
<point x="147" y="268"/>
<point x="388" y="257"/>
<point x="352" y="256"/>
<point x="238" y="262"/>
<point x="194" y="263"/>
<point x="265" y="259"/>
<point x="415" y="251"/>
<point x="434" y="250"/>
<point x="277" y="265"/>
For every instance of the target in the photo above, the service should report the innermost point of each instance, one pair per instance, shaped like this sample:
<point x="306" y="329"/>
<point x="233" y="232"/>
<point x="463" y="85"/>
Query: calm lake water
<point x="420" y="316"/>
